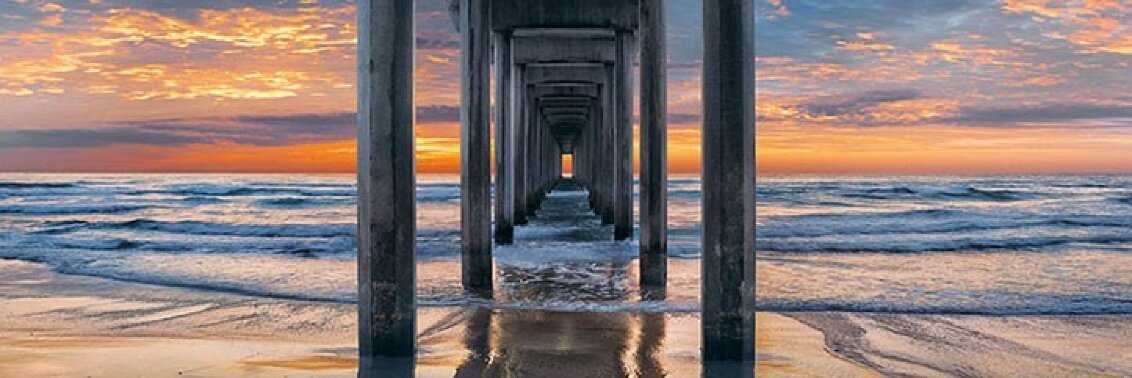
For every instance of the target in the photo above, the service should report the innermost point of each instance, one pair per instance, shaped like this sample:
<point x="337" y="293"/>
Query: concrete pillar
<point x="609" y="124"/>
<point x="475" y="147"/>
<point x="728" y="267"/>
<point x="579" y="157"/>
<point x="536" y="151"/>
<point x="386" y="181"/>
<point x="623" y="137"/>
<point x="557" y="165"/>
<point x="654" y="149"/>
<point x="533" y="118"/>
<point x="547" y="151"/>
<point x="504" y="166"/>
<point x="519" y="139"/>
<point x="592" y="156"/>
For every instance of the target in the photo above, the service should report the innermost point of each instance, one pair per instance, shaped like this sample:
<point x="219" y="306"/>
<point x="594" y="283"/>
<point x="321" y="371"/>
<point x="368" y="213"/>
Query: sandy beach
<point x="65" y="325"/>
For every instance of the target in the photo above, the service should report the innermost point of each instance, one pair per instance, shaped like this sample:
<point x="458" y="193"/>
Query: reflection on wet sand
<point x="503" y="343"/>
<point x="387" y="367"/>
<point x="559" y="310"/>
<point x="514" y="343"/>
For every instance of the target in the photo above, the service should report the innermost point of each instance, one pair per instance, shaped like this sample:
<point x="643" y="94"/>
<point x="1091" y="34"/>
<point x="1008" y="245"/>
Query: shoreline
<point x="54" y="324"/>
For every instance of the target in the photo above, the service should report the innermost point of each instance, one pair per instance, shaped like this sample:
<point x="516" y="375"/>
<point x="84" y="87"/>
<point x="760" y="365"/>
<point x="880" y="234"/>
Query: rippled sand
<point x="64" y="325"/>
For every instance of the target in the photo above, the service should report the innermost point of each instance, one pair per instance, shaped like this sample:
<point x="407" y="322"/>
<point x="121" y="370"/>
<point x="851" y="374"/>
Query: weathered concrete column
<point x="592" y="154"/>
<point x="546" y="152"/>
<point x="654" y="149"/>
<point x="623" y="136"/>
<point x="533" y="148"/>
<point x="557" y="165"/>
<point x="519" y="140"/>
<point x="537" y="164"/>
<point x="579" y="157"/>
<point x="386" y="181"/>
<point x="475" y="145"/>
<point x="504" y="166"/>
<point x="609" y="136"/>
<point x="728" y="267"/>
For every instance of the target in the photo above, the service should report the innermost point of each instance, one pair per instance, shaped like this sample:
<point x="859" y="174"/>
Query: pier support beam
<point x="519" y="143"/>
<point x="607" y="140"/>
<point x="654" y="149"/>
<point x="386" y="181"/>
<point x="623" y="139"/>
<point x="728" y="267"/>
<point x="504" y="165"/>
<point x="475" y="145"/>
<point x="531" y="159"/>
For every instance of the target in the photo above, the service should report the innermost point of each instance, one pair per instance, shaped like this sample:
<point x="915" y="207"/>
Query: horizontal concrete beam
<point x="590" y="76"/>
<point x="523" y="14"/>
<point x="566" y="65"/>
<point x="563" y="50"/>
<point x="566" y="110"/>
<point x="591" y="33"/>
<point x="576" y="92"/>
<point x="563" y="100"/>
<point x="568" y="84"/>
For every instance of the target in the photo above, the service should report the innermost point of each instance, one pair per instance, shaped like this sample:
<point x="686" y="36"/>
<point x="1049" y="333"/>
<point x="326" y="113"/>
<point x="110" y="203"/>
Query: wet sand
<point x="64" y="325"/>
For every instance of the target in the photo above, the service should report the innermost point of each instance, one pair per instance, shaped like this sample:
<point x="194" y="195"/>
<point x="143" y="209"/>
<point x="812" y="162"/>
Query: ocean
<point x="994" y="245"/>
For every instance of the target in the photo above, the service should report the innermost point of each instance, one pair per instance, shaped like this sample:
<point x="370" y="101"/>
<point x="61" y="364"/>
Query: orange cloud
<point x="129" y="52"/>
<point x="1095" y="25"/>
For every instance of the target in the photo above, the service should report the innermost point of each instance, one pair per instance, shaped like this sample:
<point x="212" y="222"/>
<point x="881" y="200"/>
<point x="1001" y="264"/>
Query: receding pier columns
<point x="504" y="165"/>
<point x="728" y="267"/>
<point x="475" y="145"/>
<point x="654" y="149"/>
<point x="607" y="140"/>
<point x="623" y="139"/>
<point x="386" y="181"/>
<point x="591" y="119"/>
<point x="519" y="141"/>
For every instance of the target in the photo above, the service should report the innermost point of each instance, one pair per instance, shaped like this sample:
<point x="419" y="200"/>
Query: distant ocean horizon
<point x="974" y="244"/>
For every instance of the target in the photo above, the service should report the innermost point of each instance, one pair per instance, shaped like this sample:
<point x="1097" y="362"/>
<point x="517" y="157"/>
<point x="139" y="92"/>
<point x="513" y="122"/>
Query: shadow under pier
<point x="564" y="215"/>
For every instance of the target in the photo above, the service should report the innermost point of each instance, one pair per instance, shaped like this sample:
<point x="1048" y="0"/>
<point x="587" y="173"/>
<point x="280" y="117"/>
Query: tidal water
<point x="978" y="245"/>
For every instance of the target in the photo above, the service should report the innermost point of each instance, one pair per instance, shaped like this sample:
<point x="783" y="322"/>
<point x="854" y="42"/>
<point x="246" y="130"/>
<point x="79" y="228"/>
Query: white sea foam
<point x="896" y="244"/>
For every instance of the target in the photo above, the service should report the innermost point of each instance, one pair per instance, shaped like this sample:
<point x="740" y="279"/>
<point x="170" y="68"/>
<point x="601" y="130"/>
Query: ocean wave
<point x="202" y="200"/>
<point x="34" y="185"/>
<point x="103" y="244"/>
<point x="221" y="190"/>
<point x="1085" y="185"/>
<point x="1036" y="304"/>
<point x="933" y="222"/>
<point x="425" y="193"/>
<point x="71" y="208"/>
<point x="964" y="193"/>
<point x="958" y="244"/>
<point x="214" y="245"/>
<point x="901" y="214"/>
<point x="304" y="201"/>
<point x="1123" y="200"/>
<point x="206" y="228"/>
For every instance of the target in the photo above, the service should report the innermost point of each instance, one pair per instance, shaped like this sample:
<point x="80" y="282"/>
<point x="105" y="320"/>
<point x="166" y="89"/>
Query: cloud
<point x="255" y="130"/>
<point x="138" y="53"/>
<point x="857" y="103"/>
<point x="868" y="108"/>
<point x="244" y="130"/>
<point x="1046" y="113"/>
<point x="1094" y="26"/>
<point x="72" y="138"/>
<point x="438" y="114"/>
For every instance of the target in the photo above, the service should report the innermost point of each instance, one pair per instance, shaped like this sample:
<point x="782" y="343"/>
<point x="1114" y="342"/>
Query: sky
<point x="842" y="87"/>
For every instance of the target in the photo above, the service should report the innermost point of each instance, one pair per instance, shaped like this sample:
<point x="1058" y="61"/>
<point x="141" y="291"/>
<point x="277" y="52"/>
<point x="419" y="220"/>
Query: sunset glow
<point x="956" y="86"/>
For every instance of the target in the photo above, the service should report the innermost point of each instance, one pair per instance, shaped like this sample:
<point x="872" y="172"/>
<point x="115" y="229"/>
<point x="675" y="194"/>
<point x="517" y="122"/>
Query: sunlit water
<point x="989" y="245"/>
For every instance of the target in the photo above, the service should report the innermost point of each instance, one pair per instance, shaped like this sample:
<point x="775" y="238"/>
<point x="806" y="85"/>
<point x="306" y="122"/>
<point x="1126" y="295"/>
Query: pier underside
<point x="564" y="85"/>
